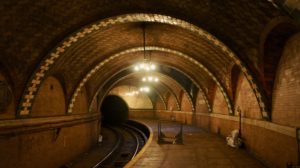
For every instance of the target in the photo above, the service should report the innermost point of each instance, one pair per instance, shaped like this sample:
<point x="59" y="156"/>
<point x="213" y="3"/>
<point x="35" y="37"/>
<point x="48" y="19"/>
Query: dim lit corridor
<point x="228" y="72"/>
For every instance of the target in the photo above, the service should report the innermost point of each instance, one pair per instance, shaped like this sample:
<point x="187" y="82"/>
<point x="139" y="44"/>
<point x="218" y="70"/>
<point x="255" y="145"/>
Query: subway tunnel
<point x="114" y="110"/>
<point x="68" y="67"/>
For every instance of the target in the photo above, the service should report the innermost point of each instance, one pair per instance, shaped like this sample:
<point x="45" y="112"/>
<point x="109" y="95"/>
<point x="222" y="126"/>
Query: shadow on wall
<point x="114" y="110"/>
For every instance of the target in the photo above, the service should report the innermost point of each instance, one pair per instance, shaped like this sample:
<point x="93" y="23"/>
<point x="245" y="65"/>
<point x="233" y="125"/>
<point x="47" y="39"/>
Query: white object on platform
<point x="100" y="138"/>
<point x="233" y="140"/>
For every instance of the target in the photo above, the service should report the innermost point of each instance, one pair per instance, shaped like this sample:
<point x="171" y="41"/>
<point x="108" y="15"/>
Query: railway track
<point x="131" y="140"/>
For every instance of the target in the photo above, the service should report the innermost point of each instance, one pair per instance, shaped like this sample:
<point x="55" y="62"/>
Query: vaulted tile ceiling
<point x="94" y="43"/>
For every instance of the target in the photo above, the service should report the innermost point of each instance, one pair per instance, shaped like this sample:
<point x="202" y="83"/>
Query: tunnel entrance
<point x="114" y="110"/>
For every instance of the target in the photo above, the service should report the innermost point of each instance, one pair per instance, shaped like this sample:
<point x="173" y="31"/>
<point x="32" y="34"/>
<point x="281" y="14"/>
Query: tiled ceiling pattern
<point x="107" y="72"/>
<point x="158" y="57"/>
<point x="31" y="29"/>
<point x="81" y="57"/>
<point x="167" y="84"/>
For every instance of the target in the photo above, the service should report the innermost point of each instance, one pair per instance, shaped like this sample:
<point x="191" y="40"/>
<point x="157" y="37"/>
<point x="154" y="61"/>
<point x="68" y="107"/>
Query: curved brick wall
<point x="50" y="100"/>
<point x="81" y="104"/>
<point x="219" y="104"/>
<point x="245" y="99"/>
<point x="9" y="112"/>
<point x="286" y="102"/>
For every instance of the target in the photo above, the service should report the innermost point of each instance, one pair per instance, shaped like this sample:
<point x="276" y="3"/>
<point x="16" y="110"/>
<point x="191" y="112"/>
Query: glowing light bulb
<point x="147" y="89"/>
<point x="152" y="67"/>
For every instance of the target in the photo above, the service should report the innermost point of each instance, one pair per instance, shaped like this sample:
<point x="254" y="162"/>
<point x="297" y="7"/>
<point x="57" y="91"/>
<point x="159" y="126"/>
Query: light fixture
<point x="131" y="93"/>
<point x="145" y="89"/>
<point x="150" y="79"/>
<point x="146" y="67"/>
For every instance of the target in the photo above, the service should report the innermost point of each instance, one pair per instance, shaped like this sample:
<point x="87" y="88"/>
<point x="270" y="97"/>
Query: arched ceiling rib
<point x="44" y="23"/>
<point x="155" y="94"/>
<point x="165" y="58"/>
<point x="182" y="62"/>
<point x="215" y="64"/>
<point x="97" y="46"/>
<point x="30" y="29"/>
<point x="176" y="85"/>
<point x="159" y="88"/>
<point x="165" y="85"/>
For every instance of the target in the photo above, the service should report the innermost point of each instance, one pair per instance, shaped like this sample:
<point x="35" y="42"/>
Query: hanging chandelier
<point x="146" y="67"/>
<point x="150" y="79"/>
<point x="145" y="89"/>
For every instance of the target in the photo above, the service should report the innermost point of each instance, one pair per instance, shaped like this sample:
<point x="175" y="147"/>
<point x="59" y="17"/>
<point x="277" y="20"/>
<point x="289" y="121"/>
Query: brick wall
<point x="203" y="121"/>
<point x="183" y="117"/>
<point x="286" y="93"/>
<point x="159" y="105"/>
<point x="271" y="147"/>
<point x="9" y="112"/>
<point x="41" y="149"/>
<point x="81" y="104"/>
<point x="94" y="106"/>
<point x="219" y="104"/>
<point x="246" y="100"/>
<point x="171" y="104"/>
<point x="201" y="106"/>
<point x="185" y="104"/>
<point x="149" y="114"/>
<point x="50" y="99"/>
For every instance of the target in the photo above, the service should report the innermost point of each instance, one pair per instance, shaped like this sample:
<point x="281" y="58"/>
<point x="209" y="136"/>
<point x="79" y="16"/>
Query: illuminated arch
<point x="42" y="70"/>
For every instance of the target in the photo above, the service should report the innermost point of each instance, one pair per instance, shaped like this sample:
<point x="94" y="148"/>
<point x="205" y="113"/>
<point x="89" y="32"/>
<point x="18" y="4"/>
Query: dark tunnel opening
<point x="114" y="110"/>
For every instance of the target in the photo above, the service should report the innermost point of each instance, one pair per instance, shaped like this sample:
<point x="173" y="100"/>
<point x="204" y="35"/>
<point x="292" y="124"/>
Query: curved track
<point x="130" y="141"/>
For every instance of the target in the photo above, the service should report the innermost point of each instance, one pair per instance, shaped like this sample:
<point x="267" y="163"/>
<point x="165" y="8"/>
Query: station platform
<point x="200" y="149"/>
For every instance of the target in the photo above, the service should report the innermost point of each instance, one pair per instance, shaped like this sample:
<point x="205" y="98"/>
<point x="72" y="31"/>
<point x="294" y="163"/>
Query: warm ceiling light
<point x="145" y="89"/>
<point x="150" y="79"/>
<point x="146" y="66"/>
<point x="133" y="93"/>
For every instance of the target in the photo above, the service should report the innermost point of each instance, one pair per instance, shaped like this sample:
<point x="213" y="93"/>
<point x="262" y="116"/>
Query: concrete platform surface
<point x="201" y="149"/>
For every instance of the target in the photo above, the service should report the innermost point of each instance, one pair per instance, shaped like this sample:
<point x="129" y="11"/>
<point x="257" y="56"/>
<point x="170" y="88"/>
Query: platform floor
<point x="200" y="150"/>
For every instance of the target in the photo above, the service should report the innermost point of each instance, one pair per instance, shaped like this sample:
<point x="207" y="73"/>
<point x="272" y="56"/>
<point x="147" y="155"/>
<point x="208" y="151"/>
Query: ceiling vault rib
<point x="172" y="92"/>
<point x="201" y="89"/>
<point x="122" y="78"/>
<point x="153" y="48"/>
<point x="39" y="74"/>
